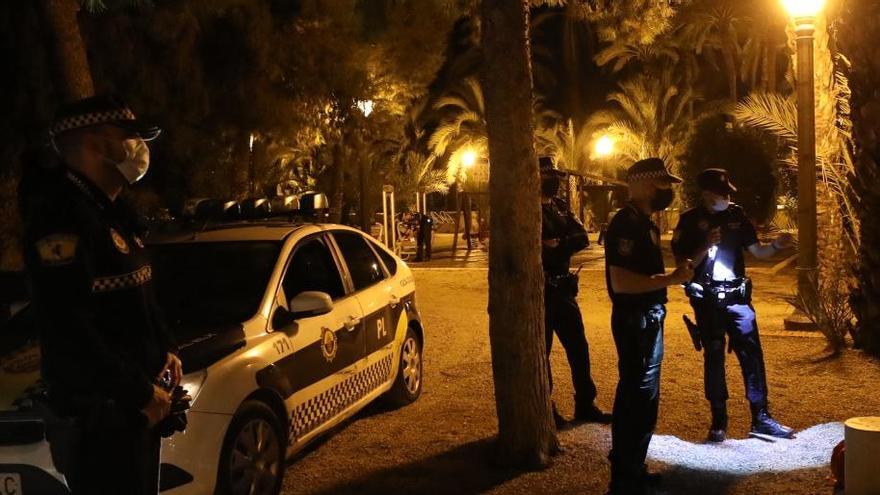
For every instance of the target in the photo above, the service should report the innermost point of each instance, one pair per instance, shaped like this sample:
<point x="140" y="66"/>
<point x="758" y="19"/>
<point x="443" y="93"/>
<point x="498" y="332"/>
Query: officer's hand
<point x="159" y="406"/>
<point x="173" y="364"/>
<point x="784" y="241"/>
<point x="714" y="237"/>
<point x="683" y="273"/>
<point x="553" y="243"/>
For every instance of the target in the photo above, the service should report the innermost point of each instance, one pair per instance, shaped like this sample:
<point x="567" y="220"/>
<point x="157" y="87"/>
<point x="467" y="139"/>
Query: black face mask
<point x="662" y="199"/>
<point x="549" y="186"/>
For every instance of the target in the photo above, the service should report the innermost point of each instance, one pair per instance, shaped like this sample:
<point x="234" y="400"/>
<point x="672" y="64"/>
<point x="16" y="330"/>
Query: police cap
<point x="650" y="168"/>
<point x="715" y="180"/>
<point x="98" y="110"/>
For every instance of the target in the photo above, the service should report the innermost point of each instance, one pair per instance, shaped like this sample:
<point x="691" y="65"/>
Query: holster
<point x="720" y="294"/>
<point x="567" y="282"/>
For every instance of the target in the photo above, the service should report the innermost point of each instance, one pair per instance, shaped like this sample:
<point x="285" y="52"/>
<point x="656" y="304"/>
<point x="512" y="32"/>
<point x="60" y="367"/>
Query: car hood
<point x="207" y="346"/>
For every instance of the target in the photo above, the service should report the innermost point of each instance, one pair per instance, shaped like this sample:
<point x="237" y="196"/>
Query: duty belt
<point x="721" y="293"/>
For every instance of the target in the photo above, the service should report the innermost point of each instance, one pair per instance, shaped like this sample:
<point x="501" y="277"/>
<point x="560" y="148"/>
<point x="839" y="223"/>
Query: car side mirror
<point x="309" y="304"/>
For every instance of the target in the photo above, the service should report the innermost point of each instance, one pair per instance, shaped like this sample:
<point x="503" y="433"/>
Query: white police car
<point x="285" y="331"/>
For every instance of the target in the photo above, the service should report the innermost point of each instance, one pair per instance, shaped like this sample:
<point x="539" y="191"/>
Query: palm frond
<point x="771" y="112"/>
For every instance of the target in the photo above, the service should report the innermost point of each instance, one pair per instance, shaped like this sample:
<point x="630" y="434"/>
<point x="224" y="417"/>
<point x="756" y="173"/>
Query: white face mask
<point x="137" y="160"/>
<point x="720" y="205"/>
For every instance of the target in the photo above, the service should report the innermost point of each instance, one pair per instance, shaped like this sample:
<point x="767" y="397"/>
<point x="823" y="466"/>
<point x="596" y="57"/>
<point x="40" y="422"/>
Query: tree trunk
<point x="526" y="433"/>
<point x="74" y="76"/>
<point x="857" y="40"/>
<point x="337" y="196"/>
<point x="732" y="73"/>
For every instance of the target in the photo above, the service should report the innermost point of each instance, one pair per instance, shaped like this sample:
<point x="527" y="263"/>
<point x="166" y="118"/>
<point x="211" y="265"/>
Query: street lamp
<point x="469" y="158"/>
<point x="604" y="146"/>
<point x="804" y="13"/>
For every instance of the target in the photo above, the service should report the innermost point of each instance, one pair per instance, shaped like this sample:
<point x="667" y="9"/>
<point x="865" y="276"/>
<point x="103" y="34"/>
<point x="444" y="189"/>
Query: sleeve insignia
<point x="119" y="242"/>
<point x="57" y="249"/>
<point x="625" y="247"/>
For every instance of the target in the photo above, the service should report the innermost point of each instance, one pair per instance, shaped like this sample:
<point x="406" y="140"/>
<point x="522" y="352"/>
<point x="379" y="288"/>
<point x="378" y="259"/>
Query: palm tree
<point x="621" y="53"/>
<point x="650" y="117"/>
<point x="462" y="128"/>
<point x="526" y="434"/>
<point x="712" y="26"/>
<point x="856" y="35"/>
<point x="69" y="49"/>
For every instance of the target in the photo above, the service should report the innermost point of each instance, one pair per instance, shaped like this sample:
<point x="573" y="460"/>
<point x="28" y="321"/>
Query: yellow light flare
<point x="803" y="8"/>
<point x="469" y="158"/>
<point x="604" y="146"/>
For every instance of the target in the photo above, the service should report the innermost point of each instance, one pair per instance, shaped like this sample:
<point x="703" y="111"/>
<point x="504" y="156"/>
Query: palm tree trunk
<point x="337" y="196"/>
<point x="732" y="73"/>
<point x="74" y="76"/>
<point x="856" y="35"/>
<point x="526" y="434"/>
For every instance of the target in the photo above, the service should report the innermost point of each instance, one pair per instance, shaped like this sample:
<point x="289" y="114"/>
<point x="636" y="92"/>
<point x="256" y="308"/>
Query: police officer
<point x="104" y="346"/>
<point x="562" y="236"/>
<point x="424" y="236"/>
<point x="637" y="282"/>
<point x="714" y="235"/>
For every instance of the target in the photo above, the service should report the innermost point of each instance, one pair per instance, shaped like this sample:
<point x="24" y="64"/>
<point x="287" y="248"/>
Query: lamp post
<point x="251" y="167"/>
<point x="804" y="13"/>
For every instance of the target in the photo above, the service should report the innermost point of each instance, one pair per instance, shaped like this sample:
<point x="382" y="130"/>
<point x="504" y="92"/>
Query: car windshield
<point x="206" y="285"/>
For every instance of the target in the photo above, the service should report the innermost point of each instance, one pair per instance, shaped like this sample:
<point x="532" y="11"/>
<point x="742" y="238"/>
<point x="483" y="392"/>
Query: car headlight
<point x="192" y="383"/>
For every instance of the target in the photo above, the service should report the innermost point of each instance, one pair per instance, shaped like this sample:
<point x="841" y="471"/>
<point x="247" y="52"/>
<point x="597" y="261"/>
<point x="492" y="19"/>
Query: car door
<point x="323" y="351"/>
<point x="373" y="291"/>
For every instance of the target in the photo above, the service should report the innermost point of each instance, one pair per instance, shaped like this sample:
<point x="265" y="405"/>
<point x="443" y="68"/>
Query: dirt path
<point x="439" y="444"/>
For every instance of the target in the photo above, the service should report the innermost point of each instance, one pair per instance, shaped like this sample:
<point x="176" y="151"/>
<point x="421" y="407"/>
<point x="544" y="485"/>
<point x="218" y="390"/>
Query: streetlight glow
<point x="604" y="146"/>
<point x="803" y="8"/>
<point x="469" y="158"/>
<point x="365" y="106"/>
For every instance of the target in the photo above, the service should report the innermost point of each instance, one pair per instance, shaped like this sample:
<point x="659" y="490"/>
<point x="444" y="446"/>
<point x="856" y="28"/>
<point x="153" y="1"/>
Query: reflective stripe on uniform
<point x="124" y="281"/>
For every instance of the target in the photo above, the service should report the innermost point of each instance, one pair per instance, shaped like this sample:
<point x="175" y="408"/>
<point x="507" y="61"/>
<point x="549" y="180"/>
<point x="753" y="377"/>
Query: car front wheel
<point x="252" y="460"/>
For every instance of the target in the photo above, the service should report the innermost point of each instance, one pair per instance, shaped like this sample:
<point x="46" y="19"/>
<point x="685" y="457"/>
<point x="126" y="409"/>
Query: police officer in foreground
<point x="104" y="346"/>
<point x="714" y="235"/>
<point x="562" y="236"/>
<point x="637" y="285"/>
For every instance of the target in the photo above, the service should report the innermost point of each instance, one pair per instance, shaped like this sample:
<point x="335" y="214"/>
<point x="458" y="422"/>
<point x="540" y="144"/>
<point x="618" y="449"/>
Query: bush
<point x="748" y="155"/>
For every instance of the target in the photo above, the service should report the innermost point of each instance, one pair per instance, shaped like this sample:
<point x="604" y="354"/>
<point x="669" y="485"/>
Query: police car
<point x="285" y="330"/>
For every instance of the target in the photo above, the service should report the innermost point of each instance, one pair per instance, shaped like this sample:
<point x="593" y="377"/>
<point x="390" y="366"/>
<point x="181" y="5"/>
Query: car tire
<point x="410" y="374"/>
<point x="253" y="452"/>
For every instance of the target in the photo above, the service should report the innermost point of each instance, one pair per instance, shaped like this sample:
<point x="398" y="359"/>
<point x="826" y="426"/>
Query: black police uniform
<point x="424" y="237"/>
<point x="103" y="340"/>
<point x="633" y="243"/>
<point x="561" y="311"/>
<point x="723" y="307"/>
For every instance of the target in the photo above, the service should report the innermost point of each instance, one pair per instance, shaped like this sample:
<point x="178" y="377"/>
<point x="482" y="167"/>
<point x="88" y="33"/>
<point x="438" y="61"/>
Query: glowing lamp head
<point x="469" y="158"/>
<point x="802" y="9"/>
<point x="365" y="106"/>
<point x="604" y="146"/>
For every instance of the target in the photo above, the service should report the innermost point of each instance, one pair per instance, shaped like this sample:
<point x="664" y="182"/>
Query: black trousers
<point x="113" y="452"/>
<point x="736" y="322"/>
<point x="563" y="315"/>
<point x="423" y="242"/>
<point x="638" y="335"/>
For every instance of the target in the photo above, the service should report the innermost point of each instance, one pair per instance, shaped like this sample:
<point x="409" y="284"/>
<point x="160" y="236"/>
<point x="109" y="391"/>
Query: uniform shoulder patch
<point x="625" y="247"/>
<point x="57" y="249"/>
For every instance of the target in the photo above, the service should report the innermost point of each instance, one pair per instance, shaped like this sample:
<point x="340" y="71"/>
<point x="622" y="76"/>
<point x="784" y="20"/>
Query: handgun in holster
<point x="694" y="332"/>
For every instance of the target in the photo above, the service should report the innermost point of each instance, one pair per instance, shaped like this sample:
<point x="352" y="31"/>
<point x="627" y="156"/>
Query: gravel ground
<point x="441" y="443"/>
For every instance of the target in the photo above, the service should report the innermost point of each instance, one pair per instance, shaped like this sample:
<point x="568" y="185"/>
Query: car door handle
<point x="394" y="301"/>
<point x="352" y="323"/>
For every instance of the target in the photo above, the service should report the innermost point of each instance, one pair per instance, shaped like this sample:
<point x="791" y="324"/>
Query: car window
<point x="390" y="262"/>
<point x="208" y="284"/>
<point x="362" y="262"/>
<point x="312" y="268"/>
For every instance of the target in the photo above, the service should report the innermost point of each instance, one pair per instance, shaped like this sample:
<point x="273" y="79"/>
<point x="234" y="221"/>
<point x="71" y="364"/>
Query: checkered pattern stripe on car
<point x="319" y="409"/>
<point x="85" y="120"/>
<point x="125" y="281"/>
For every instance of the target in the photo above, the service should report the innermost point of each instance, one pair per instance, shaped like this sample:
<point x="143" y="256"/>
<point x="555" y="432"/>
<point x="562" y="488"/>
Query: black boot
<point x="560" y="421"/>
<point x="718" y="430"/>
<point x="590" y="413"/>
<point x="765" y="427"/>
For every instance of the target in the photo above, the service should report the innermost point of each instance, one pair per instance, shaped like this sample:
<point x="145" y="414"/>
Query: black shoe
<point x="718" y="430"/>
<point x="765" y="427"/>
<point x="591" y="414"/>
<point x="560" y="421"/>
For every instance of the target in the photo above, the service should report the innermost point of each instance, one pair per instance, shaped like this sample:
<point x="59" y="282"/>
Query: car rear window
<point x="209" y="284"/>
<point x="390" y="262"/>
<point x="362" y="262"/>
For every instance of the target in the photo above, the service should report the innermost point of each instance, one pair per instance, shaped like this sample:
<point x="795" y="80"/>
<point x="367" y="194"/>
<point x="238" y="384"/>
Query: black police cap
<point x="715" y="180"/>
<point x="545" y="164"/>
<point x="98" y="110"/>
<point x="650" y="168"/>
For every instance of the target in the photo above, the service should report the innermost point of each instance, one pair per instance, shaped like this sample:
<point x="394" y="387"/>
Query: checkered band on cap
<point x="654" y="174"/>
<point x="125" y="281"/>
<point x="90" y="119"/>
